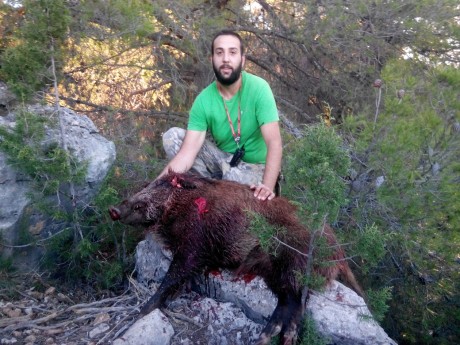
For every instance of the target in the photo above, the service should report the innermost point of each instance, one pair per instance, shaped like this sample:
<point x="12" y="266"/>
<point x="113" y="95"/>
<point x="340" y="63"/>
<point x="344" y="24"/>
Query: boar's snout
<point x="114" y="213"/>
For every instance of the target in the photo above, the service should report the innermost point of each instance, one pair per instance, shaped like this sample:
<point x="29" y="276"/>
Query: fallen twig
<point x="13" y="320"/>
<point x="181" y="317"/>
<point x="95" y="303"/>
<point x="101" y="310"/>
<point x="119" y="332"/>
<point x="31" y="323"/>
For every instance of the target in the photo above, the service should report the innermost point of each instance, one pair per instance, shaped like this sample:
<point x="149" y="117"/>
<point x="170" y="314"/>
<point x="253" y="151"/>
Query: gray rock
<point x="98" y="330"/>
<point x="379" y="181"/>
<point x="7" y="99"/>
<point x="17" y="214"/>
<point x="221" y="323"/>
<point x="343" y="317"/>
<point x="340" y="315"/>
<point x="152" y="329"/>
<point x="152" y="261"/>
<point x="252" y="295"/>
<point x="85" y="145"/>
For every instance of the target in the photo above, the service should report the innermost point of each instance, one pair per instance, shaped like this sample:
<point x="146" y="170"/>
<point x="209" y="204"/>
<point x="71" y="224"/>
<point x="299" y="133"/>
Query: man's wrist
<point x="266" y="185"/>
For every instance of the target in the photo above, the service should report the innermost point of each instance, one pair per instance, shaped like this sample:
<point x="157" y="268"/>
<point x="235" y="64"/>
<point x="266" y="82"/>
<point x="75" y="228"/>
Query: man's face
<point x="227" y="61"/>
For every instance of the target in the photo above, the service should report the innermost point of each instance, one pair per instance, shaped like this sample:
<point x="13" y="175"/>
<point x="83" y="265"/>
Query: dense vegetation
<point x="367" y="92"/>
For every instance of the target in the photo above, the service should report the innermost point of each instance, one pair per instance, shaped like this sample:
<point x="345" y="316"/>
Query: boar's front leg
<point x="182" y="269"/>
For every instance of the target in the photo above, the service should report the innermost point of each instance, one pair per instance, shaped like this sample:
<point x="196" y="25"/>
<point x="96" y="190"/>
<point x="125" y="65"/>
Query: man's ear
<point x="243" y="60"/>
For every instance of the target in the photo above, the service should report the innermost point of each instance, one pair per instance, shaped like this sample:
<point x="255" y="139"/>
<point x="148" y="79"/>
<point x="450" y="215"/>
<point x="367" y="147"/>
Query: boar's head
<point x="146" y="207"/>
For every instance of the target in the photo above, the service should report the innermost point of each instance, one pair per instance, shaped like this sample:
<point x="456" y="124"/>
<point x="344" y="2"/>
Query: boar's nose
<point x="114" y="213"/>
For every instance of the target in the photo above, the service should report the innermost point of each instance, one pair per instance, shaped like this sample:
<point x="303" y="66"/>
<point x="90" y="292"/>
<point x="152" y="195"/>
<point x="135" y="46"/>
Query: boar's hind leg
<point x="180" y="271"/>
<point x="285" y="321"/>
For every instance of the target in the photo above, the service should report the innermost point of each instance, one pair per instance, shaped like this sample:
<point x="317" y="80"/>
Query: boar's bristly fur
<point x="205" y="223"/>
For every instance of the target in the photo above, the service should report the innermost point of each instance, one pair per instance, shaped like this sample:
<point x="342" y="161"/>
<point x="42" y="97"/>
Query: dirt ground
<point x="34" y="311"/>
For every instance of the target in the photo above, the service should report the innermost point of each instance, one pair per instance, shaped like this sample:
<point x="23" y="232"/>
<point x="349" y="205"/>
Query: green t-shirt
<point x="258" y="107"/>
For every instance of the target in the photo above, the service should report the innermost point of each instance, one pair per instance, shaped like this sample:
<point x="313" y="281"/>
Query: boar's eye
<point x="138" y="206"/>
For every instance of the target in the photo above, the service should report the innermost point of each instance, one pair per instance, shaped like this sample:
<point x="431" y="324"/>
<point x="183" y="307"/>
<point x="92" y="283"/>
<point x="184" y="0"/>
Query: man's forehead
<point x="226" y="41"/>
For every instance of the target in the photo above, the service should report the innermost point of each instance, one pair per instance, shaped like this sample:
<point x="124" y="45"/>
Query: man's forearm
<point x="188" y="151"/>
<point x="272" y="167"/>
<point x="177" y="164"/>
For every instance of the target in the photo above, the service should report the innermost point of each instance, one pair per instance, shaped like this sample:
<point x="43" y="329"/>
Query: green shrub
<point x="314" y="169"/>
<point x="415" y="146"/>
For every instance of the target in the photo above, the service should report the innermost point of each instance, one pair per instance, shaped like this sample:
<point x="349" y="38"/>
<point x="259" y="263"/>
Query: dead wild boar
<point x="205" y="223"/>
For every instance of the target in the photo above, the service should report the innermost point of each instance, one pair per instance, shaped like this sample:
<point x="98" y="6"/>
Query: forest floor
<point x="34" y="311"/>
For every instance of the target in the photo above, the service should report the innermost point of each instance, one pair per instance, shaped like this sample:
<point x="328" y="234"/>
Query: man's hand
<point x="262" y="192"/>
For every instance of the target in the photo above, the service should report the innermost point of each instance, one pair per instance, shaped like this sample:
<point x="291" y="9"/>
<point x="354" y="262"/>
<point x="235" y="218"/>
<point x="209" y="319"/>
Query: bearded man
<point x="239" y="111"/>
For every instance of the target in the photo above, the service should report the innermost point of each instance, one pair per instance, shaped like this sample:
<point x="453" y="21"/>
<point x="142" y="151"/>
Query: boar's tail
<point x="349" y="278"/>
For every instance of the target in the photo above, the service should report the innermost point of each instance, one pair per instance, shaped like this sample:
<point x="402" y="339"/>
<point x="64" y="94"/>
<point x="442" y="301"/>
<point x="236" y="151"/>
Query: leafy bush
<point x="25" y="66"/>
<point x="414" y="146"/>
<point x="314" y="169"/>
<point x="47" y="165"/>
<point x="91" y="248"/>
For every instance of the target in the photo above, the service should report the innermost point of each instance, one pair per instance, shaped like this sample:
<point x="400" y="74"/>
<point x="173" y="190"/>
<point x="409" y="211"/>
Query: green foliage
<point x="6" y="265"/>
<point x="45" y="20"/>
<point x="26" y="65"/>
<point x="422" y="166"/>
<point x="333" y="56"/>
<point x="24" y="237"/>
<point x="103" y="256"/>
<point x="369" y="246"/>
<point x="97" y="254"/>
<point x="25" y="69"/>
<point x="85" y="248"/>
<point x="377" y="300"/>
<point x="267" y="234"/>
<point x="83" y="260"/>
<point x="311" y="279"/>
<point x="310" y="335"/>
<point x="133" y="15"/>
<point x="314" y="169"/>
<point x="46" y="165"/>
<point x="415" y="146"/>
<point x="106" y="197"/>
<point x="8" y="285"/>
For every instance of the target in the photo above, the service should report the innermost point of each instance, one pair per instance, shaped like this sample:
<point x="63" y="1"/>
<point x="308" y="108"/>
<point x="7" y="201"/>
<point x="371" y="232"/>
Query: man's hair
<point x="227" y="32"/>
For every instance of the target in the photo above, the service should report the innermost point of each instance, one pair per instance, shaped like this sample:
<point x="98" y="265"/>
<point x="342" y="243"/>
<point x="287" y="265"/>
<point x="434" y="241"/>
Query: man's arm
<point x="188" y="151"/>
<point x="272" y="136"/>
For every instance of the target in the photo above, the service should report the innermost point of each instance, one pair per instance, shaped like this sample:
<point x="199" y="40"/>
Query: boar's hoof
<point x="290" y="337"/>
<point x="153" y="303"/>
<point x="287" y="338"/>
<point x="270" y="331"/>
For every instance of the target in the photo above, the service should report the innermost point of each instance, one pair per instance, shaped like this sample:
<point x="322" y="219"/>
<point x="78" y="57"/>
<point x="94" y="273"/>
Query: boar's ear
<point x="187" y="183"/>
<point x="181" y="182"/>
<point x="175" y="182"/>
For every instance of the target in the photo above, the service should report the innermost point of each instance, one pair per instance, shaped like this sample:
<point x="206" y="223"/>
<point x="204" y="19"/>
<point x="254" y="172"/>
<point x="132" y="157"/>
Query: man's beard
<point x="233" y="77"/>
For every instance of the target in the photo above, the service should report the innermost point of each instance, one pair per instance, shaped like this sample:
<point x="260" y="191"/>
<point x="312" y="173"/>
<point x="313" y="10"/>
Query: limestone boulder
<point x="18" y="216"/>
